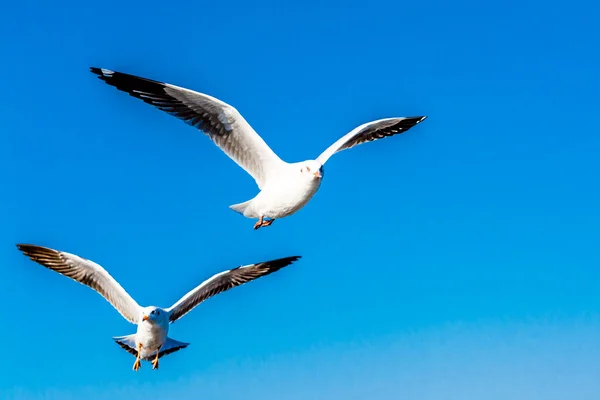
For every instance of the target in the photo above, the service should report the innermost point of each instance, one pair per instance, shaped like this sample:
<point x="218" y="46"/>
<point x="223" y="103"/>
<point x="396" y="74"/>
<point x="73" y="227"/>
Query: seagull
<point x="284" y="187"/>
<point x="151" y="340"/>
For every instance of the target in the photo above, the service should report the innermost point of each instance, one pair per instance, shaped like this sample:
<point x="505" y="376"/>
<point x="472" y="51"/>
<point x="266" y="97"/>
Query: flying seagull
<point x="284" y="187"/>
<point x="150" y="342"/>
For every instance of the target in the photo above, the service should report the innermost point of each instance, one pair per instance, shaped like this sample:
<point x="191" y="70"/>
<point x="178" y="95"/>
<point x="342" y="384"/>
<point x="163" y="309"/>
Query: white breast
<point x="285" y="195"/>
<point x="151" y="336"/>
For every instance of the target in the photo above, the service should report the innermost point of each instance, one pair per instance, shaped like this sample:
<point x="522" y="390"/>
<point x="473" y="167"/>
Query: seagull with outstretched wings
<point x="284" y="187"/>
<point x="151" y="341"/>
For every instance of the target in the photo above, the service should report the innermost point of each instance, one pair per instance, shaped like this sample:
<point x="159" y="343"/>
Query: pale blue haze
<point x="458" y="261"/>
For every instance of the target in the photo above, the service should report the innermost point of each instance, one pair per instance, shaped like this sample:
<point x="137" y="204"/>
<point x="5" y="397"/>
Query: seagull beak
<point x="317" y="174"/>
<point x="145" y="318"/>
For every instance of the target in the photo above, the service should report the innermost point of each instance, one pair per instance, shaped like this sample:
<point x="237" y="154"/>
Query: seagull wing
<point x="224" y="281"/>
<point x="368" y="132"/>
<point x="88" y="273"/>
<point x="221" y="122"/>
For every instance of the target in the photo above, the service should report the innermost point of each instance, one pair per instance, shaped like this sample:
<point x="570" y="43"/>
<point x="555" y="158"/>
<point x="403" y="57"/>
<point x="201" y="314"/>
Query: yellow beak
<point x="145" y="318"/>
<point x="317" y="174"/>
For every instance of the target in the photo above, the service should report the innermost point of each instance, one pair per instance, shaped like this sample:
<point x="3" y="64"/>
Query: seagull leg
<point x="155" y="362"/>
<point x="268" y="222"/>
<point x="137" y="364"/>
<point x="259" y="223"/>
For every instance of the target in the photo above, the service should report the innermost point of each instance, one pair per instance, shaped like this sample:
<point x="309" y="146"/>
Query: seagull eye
<point x="308" y="168"/>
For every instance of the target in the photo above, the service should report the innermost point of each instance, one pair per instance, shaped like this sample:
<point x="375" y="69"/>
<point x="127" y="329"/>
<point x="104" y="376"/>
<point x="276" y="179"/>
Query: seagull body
<point x="284" y="187"/>
<point x="151" y="340"/>
<point x="284" y="194"/>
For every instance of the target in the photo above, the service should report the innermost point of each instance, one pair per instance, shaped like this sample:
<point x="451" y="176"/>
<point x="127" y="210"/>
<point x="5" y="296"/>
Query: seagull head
<point x="153" y="314"/>
<point x="312" y="169"/>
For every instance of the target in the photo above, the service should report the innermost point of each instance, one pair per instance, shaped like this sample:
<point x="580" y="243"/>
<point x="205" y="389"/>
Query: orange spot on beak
<point x="317" y="174"/>
<point x="145" y="318"/>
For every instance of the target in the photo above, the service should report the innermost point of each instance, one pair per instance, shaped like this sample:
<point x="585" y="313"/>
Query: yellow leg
<point x="137" y="364"/>
<point x="155" y="362"/>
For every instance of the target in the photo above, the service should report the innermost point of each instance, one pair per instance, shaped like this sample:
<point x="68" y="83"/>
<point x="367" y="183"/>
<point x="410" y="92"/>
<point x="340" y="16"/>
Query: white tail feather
<point x="170" y="346"/>
<point x="241" y="207"/>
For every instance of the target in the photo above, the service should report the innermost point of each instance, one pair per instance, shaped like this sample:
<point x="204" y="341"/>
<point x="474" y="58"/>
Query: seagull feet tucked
<point x="263" y="223"/>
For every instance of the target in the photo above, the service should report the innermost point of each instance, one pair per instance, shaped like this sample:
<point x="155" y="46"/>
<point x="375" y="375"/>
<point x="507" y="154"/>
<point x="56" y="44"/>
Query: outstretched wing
<point x="88" y="273"/>
<point x="221" y="122"/>
<point x="368" y="132"/>
<point x="225" y="281"/>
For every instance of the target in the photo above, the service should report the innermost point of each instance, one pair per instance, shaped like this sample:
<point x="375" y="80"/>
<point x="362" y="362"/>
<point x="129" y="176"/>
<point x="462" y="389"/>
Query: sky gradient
<point x="456" y="261"/>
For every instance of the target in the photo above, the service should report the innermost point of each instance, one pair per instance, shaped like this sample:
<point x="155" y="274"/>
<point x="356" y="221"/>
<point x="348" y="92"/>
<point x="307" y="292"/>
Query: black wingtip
<point x="284" y="262"/>
<point x="25" y="247"/>
<point x="30" y="251"/>
<point x="34" y="252"/>
<point x="291" y="259"/>
<point x="102" y="73"/>
<point x="410" y="122"/>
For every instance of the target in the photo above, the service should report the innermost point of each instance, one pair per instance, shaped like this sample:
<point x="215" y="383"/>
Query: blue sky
<point x="457" y="261"/>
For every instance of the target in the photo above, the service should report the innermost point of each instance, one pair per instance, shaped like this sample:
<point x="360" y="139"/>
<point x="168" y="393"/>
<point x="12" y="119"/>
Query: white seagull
<point x="150" y="342"/>
<point x="284" y="187"/>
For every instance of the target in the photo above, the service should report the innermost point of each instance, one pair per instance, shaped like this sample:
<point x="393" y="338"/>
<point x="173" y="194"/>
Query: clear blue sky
<point x="457" y="261"/>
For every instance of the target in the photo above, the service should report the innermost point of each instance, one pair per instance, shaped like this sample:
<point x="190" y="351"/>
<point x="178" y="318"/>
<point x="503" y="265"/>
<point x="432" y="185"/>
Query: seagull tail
<point x="170" y="346"/>
<point x="127" y="343"/>
<point x="241" y="207"/>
